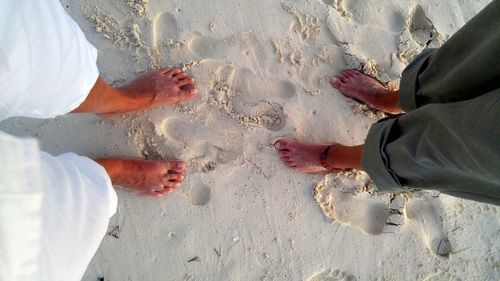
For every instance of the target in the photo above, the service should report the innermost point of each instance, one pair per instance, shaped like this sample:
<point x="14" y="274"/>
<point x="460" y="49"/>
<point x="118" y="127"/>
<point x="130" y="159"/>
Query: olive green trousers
<point x="449" y="138"/>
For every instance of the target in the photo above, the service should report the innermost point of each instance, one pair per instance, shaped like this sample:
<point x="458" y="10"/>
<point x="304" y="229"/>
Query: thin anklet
<point x="324" y="163"/>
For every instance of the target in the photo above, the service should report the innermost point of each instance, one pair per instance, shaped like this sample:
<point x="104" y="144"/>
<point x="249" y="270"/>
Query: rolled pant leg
<point x="448" y="140"/>
<point x="466" y="66"/>
<point x="450" y="147"/>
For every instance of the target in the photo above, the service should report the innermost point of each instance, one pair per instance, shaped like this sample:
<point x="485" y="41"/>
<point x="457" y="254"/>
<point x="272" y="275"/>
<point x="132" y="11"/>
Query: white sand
<point x="262" y="69"/>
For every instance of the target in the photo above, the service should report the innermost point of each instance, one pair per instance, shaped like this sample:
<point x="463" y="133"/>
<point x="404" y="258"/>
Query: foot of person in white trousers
<point x="54" y="211"/>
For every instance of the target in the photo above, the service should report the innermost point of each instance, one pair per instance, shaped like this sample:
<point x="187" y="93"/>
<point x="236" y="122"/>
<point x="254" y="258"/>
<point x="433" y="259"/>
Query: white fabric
<point x="20" y="209"/>
<point x="54" y="211"/>
<point x="78" y="202"/>
<point x="47" y="67"/>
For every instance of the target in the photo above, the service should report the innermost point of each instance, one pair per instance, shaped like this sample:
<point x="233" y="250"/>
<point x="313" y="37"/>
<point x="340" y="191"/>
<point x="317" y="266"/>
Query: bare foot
<point x="302" y="157"/>
<point x="157" y="87"/>
<point x="150" y="177"/>
<point x="305" y="157"/>
<point x="366" y="89"/>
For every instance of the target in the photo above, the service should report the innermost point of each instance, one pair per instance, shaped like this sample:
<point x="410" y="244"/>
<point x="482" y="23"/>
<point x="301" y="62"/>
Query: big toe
<point x="185" y="81"/>
<point x="281" y="145"/>
<point x="188" y="92"/>
<point x="173" y="180"/>
<point x="335" y="82"/>
<point x="170" y="72"/>
<point x="175" y="166"/>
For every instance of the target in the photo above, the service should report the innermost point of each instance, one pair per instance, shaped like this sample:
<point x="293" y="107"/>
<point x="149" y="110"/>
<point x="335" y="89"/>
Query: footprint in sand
<point x="419" y="33"/>
<point x="420" y="27"/>
<point x="340" y="198"/>
<point x="306" y="25"/>
<point x="165" y="29"/>
<point x="282" y="89"/>
<point x="198" y="192"/>
<point x="208" y="47"/>
<point x="249" y="99"/>
<point x="140" y="31"/>
<point x="203" y="155"/>
<point x="332" y="275"/>
<point x="422" y="214"/>
<point x="373" y="41"/>
<point x="179" y="130"/>
<point x="251" y="87"/>
<point x="272" y="117"/>
<point x="339" y="6"/>
<point x="165" y="38"/>
<point x="243" y="46"/>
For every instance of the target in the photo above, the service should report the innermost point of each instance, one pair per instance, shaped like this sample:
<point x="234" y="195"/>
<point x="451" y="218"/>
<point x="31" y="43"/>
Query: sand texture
<point x="262" y="68"/>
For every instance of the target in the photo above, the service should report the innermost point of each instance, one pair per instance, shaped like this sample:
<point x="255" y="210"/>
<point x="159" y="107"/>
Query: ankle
<point x="345" y="157"/>
<point x="386" y="100"/>
<point x="113" y="167"/>
<point x="103" y="98"/>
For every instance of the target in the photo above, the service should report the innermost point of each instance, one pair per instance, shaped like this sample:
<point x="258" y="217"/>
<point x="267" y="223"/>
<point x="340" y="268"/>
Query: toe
<point x="174" y="185"/>
<point x="281" y="145"/>
<point x="350" y="73"/>
<point x="157" y="194"/>
<point x="180" y="76"/>
<point x="154" y="193"/>
<point x="285" y="153"/>
<point x="167" y="190"/>
<point x="171" y="72"/>
<point x="335" y="82"/>
<point x="187" y="87"/>
<point x="176" y="166"/>
<point x="346" y="74"/>
<point x="343" y="77"/>
<point x="285" y="158"/>
<point x="185" y="81"/>
<point x="188" y="92"/>
<point x="168" y="179"/>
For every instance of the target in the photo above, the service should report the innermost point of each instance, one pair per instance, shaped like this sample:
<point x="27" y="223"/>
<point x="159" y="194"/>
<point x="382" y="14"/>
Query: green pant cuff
<point x="409" y="84"/>
<point x="375" y="160"/>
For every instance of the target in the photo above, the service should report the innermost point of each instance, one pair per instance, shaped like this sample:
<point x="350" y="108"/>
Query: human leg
<point x="466" y="66"/>
<point x="450" y="147"/>
<point x="306" y="158"/>
<point x="154" y="88"/>
<point x="148" y="177"/>
<point x="63" y="76"/>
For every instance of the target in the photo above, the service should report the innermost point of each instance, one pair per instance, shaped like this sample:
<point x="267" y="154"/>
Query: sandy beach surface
<point x="262" y="68"/>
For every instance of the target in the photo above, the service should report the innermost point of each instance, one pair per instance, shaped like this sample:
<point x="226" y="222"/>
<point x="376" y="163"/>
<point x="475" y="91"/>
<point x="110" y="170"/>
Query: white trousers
<point x="54" y="211"/>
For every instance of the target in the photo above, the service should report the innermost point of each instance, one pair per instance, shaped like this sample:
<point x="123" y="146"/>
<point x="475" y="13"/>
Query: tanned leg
<point x="305" y="157"/>
<point x="155" y="88"/>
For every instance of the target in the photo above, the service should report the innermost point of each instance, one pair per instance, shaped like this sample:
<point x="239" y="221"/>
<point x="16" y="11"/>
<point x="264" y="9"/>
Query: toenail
<point x="276" y="143"/>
